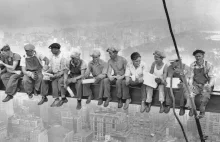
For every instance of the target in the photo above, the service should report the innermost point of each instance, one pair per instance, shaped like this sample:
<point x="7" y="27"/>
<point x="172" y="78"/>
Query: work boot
<point x="143" y="106"/>
<point x="182" y="111"/>
<point x="100" y="102"/>
<point x="148" y="107"/>
<point x="128" y="101"/>
<point x="89" y="99"/>
<point x="167" y="109"/>
<point x="107" y="102"/>
<point x="7" y="98"/>
<point x="191" y="113"/>
<point x="79" y="105"/>
<point x="43" y="100"/>
<point x="201" y="115"/>
<point x="120" y="104"/>
<point x="161" y="108"/>
<point x="61" y="102"/>
<point x="55" y="102"/>
<point x="30" y="96"/>
<point x="202" y="109"/>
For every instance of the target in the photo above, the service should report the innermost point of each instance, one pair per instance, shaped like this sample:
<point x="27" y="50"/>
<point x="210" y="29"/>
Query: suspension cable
<point x="202" y="138"/>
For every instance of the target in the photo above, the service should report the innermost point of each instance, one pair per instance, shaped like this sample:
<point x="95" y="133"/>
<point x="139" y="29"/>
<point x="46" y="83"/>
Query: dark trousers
<point x="87" y="88"/>
<point x="107" y="87"/>
<point x="125" y="88"/>
<point x="183" y="98"/>
<point x="56" y="87"/>
<point x="30" y="84"/>
<point x="10" y="81"/>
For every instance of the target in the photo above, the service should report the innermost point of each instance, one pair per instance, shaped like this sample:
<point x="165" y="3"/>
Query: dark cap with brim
<point x="198" y="51"/>
<point x="55" y="45"/>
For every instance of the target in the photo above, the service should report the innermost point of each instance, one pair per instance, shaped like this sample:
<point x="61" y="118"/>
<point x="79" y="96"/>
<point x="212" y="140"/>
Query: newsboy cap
<point x="29" y="47"/>
<point x="55" y="45"/>
<point x="198" y="51"/>
<point x="159" y="54"/>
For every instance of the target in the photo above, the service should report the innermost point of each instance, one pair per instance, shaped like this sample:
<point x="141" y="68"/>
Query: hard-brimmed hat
<point x="75" y="54"/>
<point x="29" y="47"/>
<point x="5" y="48"/>
<point x="55" y="45"/>
<point x="159" y="54"/>
<point x="198" y="51"/>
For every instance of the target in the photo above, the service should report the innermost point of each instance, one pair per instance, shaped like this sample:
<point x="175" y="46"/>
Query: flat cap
<point x="174" y="58"/>
<point x="198" y="51"/>
<point x="75" y="53"/>
<point x="29" y="47"/>
<point x="113" y="49"/>
<point x="5" y="48"/>
<point x="95" y="52"/>
<point x="159" y="54"/>
<point x="55" y="45"/>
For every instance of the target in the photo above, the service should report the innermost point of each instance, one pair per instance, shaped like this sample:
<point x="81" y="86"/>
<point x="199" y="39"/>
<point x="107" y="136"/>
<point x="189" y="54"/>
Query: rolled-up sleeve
<point x="83" y="66"/>
<point x="210" y="70"/>
<point x="22" y="62"/>
<point x="105" y="68"/>
<point x="127" y="71"/>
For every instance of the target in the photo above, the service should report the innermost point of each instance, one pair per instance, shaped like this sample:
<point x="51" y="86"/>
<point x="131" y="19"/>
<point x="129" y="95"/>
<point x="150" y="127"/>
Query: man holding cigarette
<point x="98" y="68"/>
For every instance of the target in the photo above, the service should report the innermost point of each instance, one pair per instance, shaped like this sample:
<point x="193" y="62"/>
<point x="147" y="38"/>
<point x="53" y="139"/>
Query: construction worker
<point x="201" y="81"/>
<point x="159" y="69"/>
<point x="175" y="71"/>
<point x="32" y="67"/>
<point x="117" y="64"/>
<point x="133" y="77"/>
<point x="77" y="68"/>
<point x="12" y="74"/>
<point x="56" y="69"/>
<point x="98" y="68"/>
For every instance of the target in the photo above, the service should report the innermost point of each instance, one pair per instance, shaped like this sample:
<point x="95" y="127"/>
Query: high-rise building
<point x="104" y="123"/>
<point x="58" y="133"/>
<point x="83" y="136"/>
<point x="39" y="135"/>
<point x="3" y="131"/>
<point x="77" y="123"/>
<point x="67" y="119"/>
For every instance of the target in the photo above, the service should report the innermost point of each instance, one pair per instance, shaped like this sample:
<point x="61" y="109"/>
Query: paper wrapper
<point x="87" y="81"/>
<point x="46" y="76"/>
<point x="149" y="80"/>
<point x="175" y="82"/>
<point x="70" y="91"/>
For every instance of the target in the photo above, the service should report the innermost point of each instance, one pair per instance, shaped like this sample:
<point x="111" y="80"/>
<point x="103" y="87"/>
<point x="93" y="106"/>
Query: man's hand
<point x="111" y="78"/>
<point x="45" y="67"/>
<point x="141" y="80"/>
<point x="97" y="79"/>
<point x="1" y="63"/>
<point x="18" y="72"/>
<point x="73" y="80"/>
<point x="119" y="77"/>
<point x="158" y="80"/>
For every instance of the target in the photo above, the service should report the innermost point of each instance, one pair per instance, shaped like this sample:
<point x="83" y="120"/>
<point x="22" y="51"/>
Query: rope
<point x="174" y="106"/>
<point x="202" y="138"/>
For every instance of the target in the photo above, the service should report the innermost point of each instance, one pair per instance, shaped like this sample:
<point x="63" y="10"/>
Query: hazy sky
<point x="16" y="13"/>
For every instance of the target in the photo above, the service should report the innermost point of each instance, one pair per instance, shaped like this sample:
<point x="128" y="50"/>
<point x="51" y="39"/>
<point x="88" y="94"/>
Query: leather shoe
<point x="89" y="99"/>
<point x="143" y="106"/>
<point x="100" y="102"/>
<point x="43" y="100"/>
<point x="120" y="104"/>
<point x="167" y="109"/>
<point x="191" y="113"/>
<point x="7" y="98"/>
<point x="79" y="105"/>
<point x="30" y="96"/>
<point x="128" y="101"/>
<point x="201" y="115"/>
<point x="107" y="102"/>
<point x="55" y="102"/>
<point x="61" y="102"/>
<point x="182" y="111"/>
<point x="148" y="107"/>
<point x="161" y="108"/>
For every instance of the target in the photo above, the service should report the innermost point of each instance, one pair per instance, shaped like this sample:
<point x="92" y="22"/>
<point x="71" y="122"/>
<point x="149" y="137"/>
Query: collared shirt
<point x="117" y="66"/>
<point x="97" y="68"/>
<point x="137" y="72"/>
<point x="172" y="70"/>
<point x="57" y="63"/>
<point x="11" y="58"/>
<point x="39" y="56"/>
<point x="208" y="67"/>
<point x="81" y="66"/>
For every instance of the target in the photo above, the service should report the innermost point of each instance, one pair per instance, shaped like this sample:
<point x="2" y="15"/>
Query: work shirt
<point x="11" y="58"/>
<point x="57" y="63"/>
<point x="76" y="69"/>
<point x="176" y="71"/>
<point x="97" y="68"/>
<point x="137" y="72"/>
<point x="39" y="56"/>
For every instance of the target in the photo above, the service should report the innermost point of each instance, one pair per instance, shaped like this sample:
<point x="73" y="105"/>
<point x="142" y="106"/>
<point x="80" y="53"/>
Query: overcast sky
<point x="16" y="13"/>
